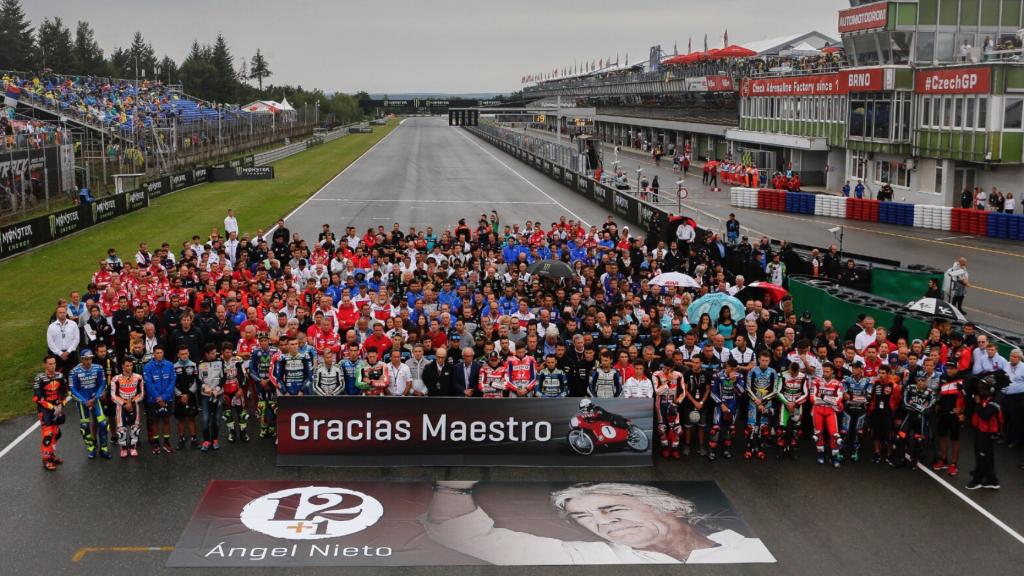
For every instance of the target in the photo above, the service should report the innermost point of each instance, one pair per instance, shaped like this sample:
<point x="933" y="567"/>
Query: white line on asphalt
<point x="410" y="201"/>
<point x="954" y="237"/>
<point x="513" y="170"/>
<point x="972" y="503"/>
<point x="336" y="176"/>
<point x="15" y="442"/>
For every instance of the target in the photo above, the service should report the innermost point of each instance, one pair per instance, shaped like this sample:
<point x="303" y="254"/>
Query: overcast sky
<point x="435" y="45"/>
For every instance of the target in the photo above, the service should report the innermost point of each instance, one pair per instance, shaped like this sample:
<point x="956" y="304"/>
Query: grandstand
<point x="145" y="127"/>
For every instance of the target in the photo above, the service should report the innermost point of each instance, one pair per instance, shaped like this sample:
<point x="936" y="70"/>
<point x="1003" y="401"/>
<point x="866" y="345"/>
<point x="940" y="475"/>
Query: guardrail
<point x="41" y="230"/>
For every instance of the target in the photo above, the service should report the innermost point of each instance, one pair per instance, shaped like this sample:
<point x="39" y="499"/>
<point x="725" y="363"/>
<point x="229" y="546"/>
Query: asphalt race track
<point x="860" y="519"/>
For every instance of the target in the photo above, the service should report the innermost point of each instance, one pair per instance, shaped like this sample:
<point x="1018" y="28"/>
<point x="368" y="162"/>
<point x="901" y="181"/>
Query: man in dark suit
<point x="438" y="375"/>
<point x="466" y="374"/>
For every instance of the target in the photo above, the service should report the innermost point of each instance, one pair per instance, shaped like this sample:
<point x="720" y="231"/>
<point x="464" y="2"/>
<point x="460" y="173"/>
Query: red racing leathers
<point x="494" y="382"/>
<point x="827" y="399"/>
<point x="522" y="373"/>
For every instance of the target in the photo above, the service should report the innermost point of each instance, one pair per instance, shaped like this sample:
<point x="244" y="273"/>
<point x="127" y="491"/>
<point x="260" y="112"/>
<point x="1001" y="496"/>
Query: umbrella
<point x="735" y="51"/>
<point x="766" y="292"/>
<point x="551" y="269"/>
<point x="937" y="308"/>
<point x="674" y="279"/>
<point x="831" y="49"/>
<point x="711" y="304"/>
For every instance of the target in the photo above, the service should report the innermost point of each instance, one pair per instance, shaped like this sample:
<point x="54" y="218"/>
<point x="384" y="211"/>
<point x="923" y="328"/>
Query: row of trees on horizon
<point x="209" y="71"/>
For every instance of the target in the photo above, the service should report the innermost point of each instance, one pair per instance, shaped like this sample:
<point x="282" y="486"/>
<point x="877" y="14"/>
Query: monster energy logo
<point x="621" y="204"/>
<point x="646" y="215"/>
<point x="134" y="200"/>
<point x="63" y="223"/>
<point x="103" y="209"/>
<point x="16" y="238"/>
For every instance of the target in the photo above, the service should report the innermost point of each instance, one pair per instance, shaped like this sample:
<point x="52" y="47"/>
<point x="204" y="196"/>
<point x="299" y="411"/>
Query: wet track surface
<point x="862" y="518"/>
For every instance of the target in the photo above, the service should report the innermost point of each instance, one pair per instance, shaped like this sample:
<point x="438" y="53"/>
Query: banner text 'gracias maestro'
<point x="364" y="431"/>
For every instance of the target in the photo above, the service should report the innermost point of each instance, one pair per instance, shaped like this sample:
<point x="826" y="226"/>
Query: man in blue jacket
<point x="87" y="385"/>
<point x="159" y="376"/>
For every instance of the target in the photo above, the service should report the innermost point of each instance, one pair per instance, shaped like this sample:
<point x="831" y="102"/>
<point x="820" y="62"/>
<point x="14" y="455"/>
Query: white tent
<point x="801" y="49"/>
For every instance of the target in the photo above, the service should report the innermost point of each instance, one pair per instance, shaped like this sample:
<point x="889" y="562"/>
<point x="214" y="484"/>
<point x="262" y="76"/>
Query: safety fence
<point x="34" y="232"/>
<point x="958" y="220"/>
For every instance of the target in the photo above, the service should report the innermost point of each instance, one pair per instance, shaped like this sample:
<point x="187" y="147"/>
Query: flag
<point x="675" y="48"/>
<point x="705" y="41"/>
<point x="11" y="97"/>
<point x="726" y="37"/>
<point x="689" y="45"/>
<point x="600" y="63"/>
<point x="616" y="58"/>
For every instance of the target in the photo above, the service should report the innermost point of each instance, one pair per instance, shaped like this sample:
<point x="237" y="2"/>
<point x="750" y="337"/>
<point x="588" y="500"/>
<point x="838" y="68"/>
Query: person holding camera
<point x="987" y="421"/>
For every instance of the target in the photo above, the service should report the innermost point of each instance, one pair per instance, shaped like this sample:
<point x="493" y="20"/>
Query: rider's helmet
<point x="585" y="404"/>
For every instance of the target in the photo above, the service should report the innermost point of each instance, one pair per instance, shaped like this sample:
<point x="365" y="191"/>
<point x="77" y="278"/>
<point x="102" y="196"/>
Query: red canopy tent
<point x="712" y="54"/>
<point x="735" y="51"/>
<point x="831" y="49"/>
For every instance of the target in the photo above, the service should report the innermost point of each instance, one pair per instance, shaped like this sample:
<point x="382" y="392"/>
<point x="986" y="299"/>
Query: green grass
<point x="30" y="284"/>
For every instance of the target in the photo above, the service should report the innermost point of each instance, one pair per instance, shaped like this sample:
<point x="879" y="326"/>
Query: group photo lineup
<point x="301" y="288"/>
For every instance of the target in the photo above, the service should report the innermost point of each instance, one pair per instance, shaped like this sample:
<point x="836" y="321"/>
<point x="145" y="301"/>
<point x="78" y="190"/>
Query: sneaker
<point x="939" y="464"/>
<point x="761" y="455"/>
<point x="49" y="465"/>
<point x="231" y="437"/>
<point x="181" y="444"/>
<point x="711" y="456"/>
<point x="747" y="455"/>
<point x="195" y="442"/>
<point x="686" y="451"/>
<point x="134" y="453"/>
<point x="167" y="447"/>
<point x="676" y="454"/>
<point x="216" y="445"/>
<point x="91" y="455"/>
<point x="821" y="458"/>
<point x="105" y="453"/>
<point x="124" y="452"/>
<point x="836" y="463"/>
<point x="245" y="436"/>
<point x="665" y="453"/>
<point x="953" y="471"/>
<point x="991" y="485"/>
<point x="973" y="485"/>
<point x="156" y="449"/>
<point x="205" y="447"/>
<point x="727" y="454"/>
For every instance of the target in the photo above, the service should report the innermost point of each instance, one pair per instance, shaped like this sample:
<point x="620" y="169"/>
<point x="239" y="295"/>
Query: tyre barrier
<point x="958" y="220"/>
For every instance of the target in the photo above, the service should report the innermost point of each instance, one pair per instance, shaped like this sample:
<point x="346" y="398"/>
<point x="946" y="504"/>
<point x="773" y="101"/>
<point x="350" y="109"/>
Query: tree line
<point x="208" y="72"/>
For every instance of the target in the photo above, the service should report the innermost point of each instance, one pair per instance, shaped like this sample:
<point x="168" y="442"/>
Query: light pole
<point x="639" y="171"/>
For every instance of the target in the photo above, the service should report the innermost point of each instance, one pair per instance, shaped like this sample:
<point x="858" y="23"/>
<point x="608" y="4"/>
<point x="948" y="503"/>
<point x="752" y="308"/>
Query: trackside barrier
<point x="957" y="220"/>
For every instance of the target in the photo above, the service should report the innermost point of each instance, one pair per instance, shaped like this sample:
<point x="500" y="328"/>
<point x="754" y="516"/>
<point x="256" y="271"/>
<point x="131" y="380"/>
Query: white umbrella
<point x="675" y="279"/>
<point x="937" y="308"/>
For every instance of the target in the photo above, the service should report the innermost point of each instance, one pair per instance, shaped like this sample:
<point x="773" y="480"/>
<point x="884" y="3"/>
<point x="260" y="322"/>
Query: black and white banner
<point x="451" y="523"/>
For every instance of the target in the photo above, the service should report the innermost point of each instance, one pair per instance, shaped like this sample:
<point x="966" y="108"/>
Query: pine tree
<point x="167" y="70"/>
<point x="226" y="80"/>
<point x="54" y="48"/>
<point x="258" y="69"/>
<point x="16" y="37"/>
<point x="142" y="56"/>
<point x="88" y="54"/>
<point x="197" y="72"/>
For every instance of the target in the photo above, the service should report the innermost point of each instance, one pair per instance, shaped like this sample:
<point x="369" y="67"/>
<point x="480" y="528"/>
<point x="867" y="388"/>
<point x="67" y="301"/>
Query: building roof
<point x="772" y="46"/>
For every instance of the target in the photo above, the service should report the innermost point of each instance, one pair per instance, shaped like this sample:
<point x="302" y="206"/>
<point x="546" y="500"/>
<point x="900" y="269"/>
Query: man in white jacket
<point x="638" y="524"/>
<point x="62" y="338"/>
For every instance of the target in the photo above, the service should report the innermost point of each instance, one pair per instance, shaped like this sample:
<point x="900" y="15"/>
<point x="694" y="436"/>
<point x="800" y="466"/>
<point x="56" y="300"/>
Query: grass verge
<point x="30" y="284"/>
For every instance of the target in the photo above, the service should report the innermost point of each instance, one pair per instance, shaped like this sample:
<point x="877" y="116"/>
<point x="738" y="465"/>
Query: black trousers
<point x="1013" y="414"/>
<point x="984" y="459"/>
